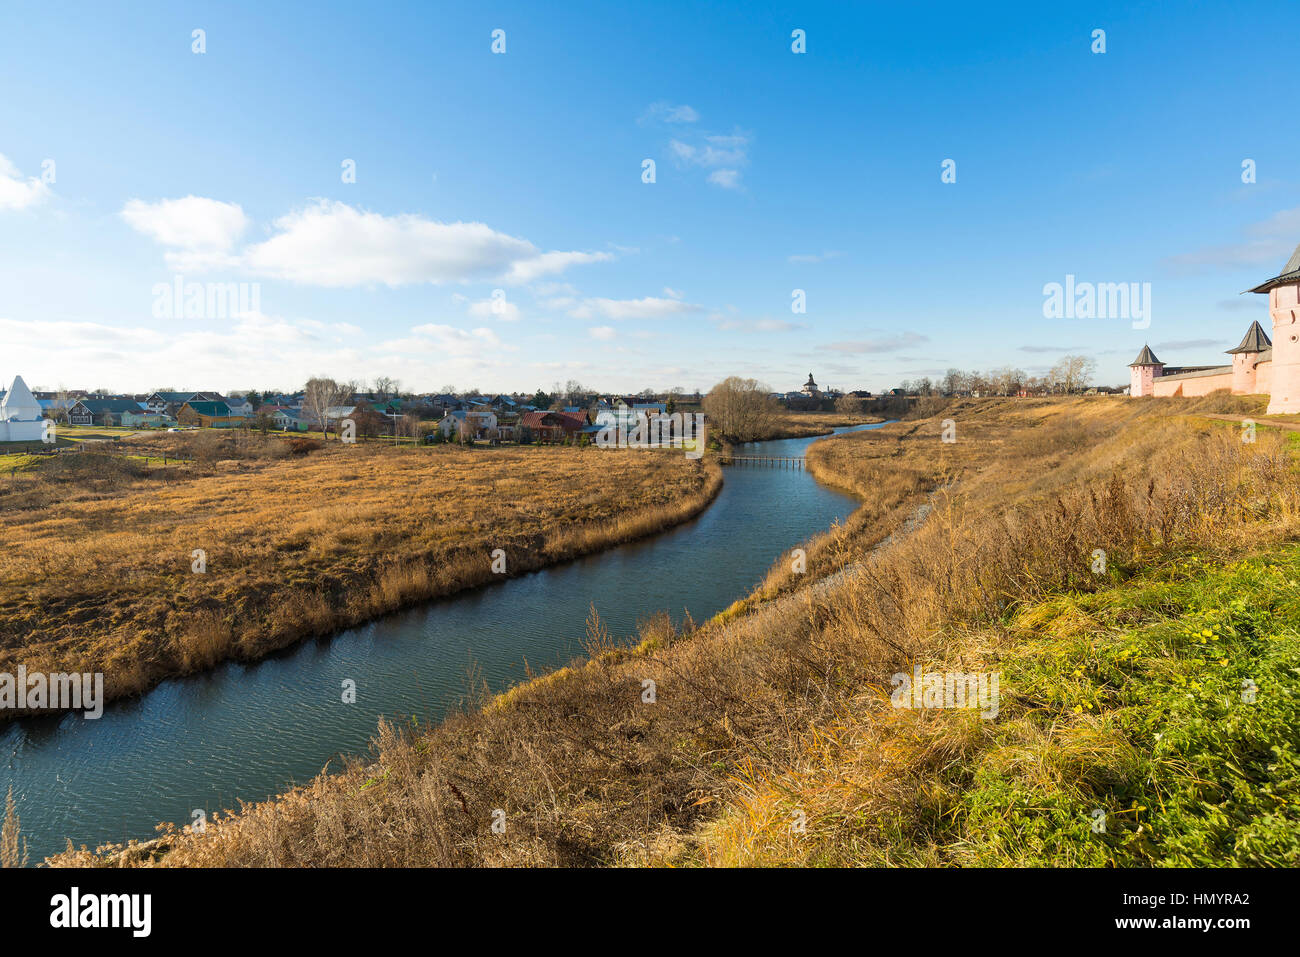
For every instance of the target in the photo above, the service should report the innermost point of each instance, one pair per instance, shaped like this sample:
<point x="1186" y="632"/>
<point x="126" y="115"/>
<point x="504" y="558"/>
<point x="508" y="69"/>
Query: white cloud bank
<point x="651" y="307"/>
<point x="192" y="222"/>
<point x="331" y="244"/>
<point x="253" y="351"/>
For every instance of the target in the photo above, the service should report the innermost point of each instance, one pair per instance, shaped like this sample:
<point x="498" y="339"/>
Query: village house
<point x="54" y="407"/>
<point x="238" y="405"/>
<point x="209" y="415"/>
<point x="171" y="402"/>
<point x="102" y="411"/>
<point x="468" y="424"/>
<point x="334" y="415"/>
<point x="289" y="421"/>
<point x="444" y="403"/>
<point x="552" y="426"/>
<point x="144" y="418"/>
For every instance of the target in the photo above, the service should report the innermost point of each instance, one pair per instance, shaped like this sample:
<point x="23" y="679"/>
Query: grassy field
<point x="99" y="573"/>
<point x="772" y="739"/>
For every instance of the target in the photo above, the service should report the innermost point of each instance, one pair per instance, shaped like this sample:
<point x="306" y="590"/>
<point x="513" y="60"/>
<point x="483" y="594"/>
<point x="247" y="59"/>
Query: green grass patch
<point x="1166" y="708"/>
<point x="17" y="462"/>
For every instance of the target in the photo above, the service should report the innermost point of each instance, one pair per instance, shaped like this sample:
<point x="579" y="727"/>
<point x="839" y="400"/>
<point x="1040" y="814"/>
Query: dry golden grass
<point x="782" y="707"/>
<point x="802" y="425"/>
<point x="97" y="570"/>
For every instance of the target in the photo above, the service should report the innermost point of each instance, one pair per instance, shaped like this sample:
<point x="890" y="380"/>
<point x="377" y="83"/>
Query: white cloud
<point x="672" y="293"/>
<point x="455" y="341"/>
<point x="665" y="112"/>
<point x="526" y="270"/>
<point x="333" y="244"/>
<point x="329" y="243"/>
<point x="502" y="309"/>
<point x="728" y="324"/>
<point x="722" y="154"/>
<point x="715" y="151"/>
<point x="604" y="333"/>
<point x="255" y="351"/>
<point x="17" y="193"/>
<point x="887" y="343"/>
<point x="192" y="223"/>
<point x="1268" y="246"/>
<point x="555" y="289"/>
<point x="650" y="307"/>
<point x="812" y="257"/>
<point x="726" y="178"/>
<point x="559" y="302"/>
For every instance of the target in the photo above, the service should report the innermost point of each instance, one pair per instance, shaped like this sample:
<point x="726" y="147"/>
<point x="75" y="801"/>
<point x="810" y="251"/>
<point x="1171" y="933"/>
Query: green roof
<point x="212" y="409"/>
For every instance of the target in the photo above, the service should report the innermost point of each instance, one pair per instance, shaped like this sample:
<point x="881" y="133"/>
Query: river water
<point x="247" y="731"/>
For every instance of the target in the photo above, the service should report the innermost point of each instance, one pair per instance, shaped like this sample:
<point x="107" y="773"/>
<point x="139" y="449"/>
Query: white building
<point x="21" y="418"/>
<point x="475" y="423"/>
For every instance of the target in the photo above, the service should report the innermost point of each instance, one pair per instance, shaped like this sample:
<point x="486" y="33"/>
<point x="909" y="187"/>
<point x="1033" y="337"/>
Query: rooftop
<point x="1146" y="358"/>
<point x="1290" y="274"/>
<point x="1255" y="339"/>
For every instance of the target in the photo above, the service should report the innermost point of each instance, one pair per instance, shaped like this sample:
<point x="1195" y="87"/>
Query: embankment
<point x="782" y="712"/>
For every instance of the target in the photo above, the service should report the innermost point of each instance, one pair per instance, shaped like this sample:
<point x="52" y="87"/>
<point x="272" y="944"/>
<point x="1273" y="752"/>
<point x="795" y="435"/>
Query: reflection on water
<point x="248" y="730"/>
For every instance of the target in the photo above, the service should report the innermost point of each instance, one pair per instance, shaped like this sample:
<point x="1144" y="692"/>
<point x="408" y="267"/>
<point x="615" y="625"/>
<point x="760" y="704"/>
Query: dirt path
<point x="1273" y="423"/>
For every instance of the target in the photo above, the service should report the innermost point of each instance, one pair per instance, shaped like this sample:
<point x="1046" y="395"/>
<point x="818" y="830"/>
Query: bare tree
<point x="741" y="409"/>
<point x="574" y="393"/>
<point x="386" y="386"/>
<point x="1073" y="373"/>
<point x="321" y="395"/>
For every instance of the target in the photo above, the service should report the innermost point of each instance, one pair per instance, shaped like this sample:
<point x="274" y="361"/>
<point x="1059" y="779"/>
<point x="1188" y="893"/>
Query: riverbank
<point x="804" y="425"/>
<point x="144" y="574"/>
<point x="781" y="712"/>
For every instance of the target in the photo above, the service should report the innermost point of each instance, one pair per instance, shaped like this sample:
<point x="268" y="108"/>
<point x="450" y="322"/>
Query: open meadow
<point x="115" y="563"/>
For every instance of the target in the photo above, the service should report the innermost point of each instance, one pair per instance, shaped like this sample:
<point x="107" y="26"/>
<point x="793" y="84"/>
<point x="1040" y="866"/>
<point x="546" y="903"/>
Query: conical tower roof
<point x="1290" y="273"/>
<point x="19" y="403"/>
<point x="1146" y="358"/>
<point x="1255" y="340"/>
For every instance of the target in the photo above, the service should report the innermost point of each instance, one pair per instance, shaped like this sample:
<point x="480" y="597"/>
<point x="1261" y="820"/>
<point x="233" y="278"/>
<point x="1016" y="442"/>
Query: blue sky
<point x="522" y="172"/>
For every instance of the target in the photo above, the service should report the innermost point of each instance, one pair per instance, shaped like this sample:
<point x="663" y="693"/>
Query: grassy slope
<point x="1128" y="700"/>
<point x="1132" y="700"/>
<point x="779" y="709"/>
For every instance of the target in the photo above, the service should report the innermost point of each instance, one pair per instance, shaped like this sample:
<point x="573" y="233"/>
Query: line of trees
<point x="1070" y="375"/>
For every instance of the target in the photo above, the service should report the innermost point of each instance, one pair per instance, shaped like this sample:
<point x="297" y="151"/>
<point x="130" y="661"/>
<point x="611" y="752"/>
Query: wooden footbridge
<point x="770" y="461"/>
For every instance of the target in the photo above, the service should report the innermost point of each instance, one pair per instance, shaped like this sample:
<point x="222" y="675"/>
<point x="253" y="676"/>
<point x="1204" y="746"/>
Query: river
<point x="248" y="731"/>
